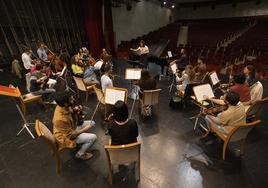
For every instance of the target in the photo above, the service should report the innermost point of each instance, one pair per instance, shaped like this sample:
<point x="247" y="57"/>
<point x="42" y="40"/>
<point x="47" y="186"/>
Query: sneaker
<point x="85" y="156"/>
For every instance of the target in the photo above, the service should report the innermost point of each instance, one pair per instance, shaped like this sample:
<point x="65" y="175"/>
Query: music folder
<point x="114" y="94"/>
<point x="133" y="74"/>
<point x="203" y="90"/>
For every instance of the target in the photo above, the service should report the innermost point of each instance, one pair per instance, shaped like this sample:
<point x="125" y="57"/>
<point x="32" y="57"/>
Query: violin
<point x="215" y="109"/>
<point x="79" y="114"/>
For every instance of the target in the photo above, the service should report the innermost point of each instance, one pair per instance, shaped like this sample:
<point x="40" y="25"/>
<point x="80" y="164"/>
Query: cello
<point x="55" y="60"/>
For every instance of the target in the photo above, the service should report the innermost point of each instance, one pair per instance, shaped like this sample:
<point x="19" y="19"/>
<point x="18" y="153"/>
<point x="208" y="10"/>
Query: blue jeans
<point x="86" y="139"/>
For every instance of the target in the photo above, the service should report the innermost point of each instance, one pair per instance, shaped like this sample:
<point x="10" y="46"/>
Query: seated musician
<point x="200" y="69"/>
<point x="185" y="79"/>
<point x="65" y="132"/>
<point x="182" y="61"/>
<point x="256" y="92"/>
<point x="104" y="55"/>
<point x="76" y="66"/>
<point x="249" y="72"/>
<point x="241" y="87"/>
<point x="122" y="130"/>
<point x="147" y="82"/>
<point x="41" y="52"/>
<point x="38" y="83"/>
<point x="90" y="77"/>
<point x="226" y="120"/>
<point x="106" y="80"/>
<point x="27" y="60"/>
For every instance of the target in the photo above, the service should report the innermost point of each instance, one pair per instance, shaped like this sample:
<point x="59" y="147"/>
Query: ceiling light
<point x="173" y="6"/>
<point x="165" y="2"/>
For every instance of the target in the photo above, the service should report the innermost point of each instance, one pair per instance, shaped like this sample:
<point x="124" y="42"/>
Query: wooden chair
<point x="44" y="133"/>
<point x="123" y="154"/>
<point x="100" y="97"/>
<point x="82" y="87"/>
<point x="238" y="134"/>
<point x="254" y="109"/>
<point x="28" y="98"/>
<point x="150" y="97"/>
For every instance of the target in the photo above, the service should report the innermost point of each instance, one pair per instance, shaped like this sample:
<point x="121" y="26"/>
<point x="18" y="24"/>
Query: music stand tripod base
<point x="25" y="125"/>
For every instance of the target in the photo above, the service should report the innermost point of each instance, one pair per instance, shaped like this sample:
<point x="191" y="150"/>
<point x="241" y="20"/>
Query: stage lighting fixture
<point x="173" y="6"/>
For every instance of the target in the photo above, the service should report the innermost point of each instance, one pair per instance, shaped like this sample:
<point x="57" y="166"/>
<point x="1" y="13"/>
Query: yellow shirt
<point x="63" y="128"/>
<point x="77" y="69"/>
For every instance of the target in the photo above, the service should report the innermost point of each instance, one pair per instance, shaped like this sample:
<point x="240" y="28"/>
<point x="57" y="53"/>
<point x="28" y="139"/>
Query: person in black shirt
<point x="146" y="82"/>
<point x="122" y="130"/>
<point x="183" y="60"/>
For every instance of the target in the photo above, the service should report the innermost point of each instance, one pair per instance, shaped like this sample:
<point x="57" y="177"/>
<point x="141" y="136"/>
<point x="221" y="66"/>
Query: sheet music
<point x="133" y="74"/>
<point x="202" y="90"/>
<point x="174" y="68"/>
<point x="114" y="95"/>
<point x="169" y="54"/>
<point x="214" y="78"/>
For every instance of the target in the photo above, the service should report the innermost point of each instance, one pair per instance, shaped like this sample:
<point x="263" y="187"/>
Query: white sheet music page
<point x="174" y="68"/>
<point x="114" y="95"/>
<point x="133" y="74"/>
<point x="203" y="90"/>
<point x="214" y="78"/>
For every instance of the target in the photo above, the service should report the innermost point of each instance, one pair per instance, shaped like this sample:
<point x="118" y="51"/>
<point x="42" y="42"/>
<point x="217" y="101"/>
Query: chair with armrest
<point x="150" y="98"/>
<point x="123" y="154"/>
<point x="253" y="110"/>
<point x="81" y="86"/>
<point x="238" y="134"/>
<point x="45" y="134"/>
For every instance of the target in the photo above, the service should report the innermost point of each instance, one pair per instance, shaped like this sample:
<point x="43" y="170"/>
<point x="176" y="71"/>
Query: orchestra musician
<point x="106" y="80"/>
<point x="27" y="60"/>
<point x="200" y="69"/>
<point x="234" y="114"/>
<point x="122" y="129"/>
<point x="38" y="83"/>
<point x="147" y="82"/>
<point x="42" y="52"/>
<point x="182" y="61"/>
<point x="67" y="134"/>
<point x="184" y="79"/>
<point x="77" y="66"/>
<point x="143" y="51"/>
<point x="249" y="72"/>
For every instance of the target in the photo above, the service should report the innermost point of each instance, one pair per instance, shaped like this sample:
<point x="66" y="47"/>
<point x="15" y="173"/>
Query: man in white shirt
<point x="106" y="81"/>
<point x="26" y="59"/>
<point x="256" y="92"/>
<point x="41" y="51"/>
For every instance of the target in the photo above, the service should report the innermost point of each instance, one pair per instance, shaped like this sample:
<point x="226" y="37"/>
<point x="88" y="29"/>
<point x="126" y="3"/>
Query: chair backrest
<point x="99" y="94"/>
<point x="151" y="97"/>
<point x="240" y="132"/>
<point x="123" y="154"/>
<point x="256" y="107"/>
<point x="80" y="83"/>
<point x="43" y="132"/>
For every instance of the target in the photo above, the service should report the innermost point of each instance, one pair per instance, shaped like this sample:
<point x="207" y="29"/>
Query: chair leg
<point x="58" y="161"/>
<point x="23" y="108"/>
<point x="224" y="150"/>
<point x="110" y="175"/>
<point x="137" y="170"/>
<point x="87" y="95"/>
<point x="242" y="146"/>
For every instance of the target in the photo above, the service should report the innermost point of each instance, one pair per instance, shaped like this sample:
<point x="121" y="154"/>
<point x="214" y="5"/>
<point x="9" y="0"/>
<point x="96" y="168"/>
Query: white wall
<point x="144" y="17"/>
<point x="241" y="10"/>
